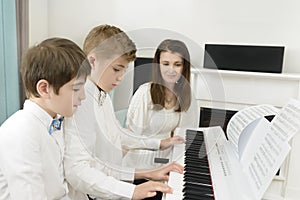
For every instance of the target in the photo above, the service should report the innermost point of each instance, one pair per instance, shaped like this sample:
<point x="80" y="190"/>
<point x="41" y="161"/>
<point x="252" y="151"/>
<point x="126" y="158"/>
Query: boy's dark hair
<point x="56" y="60"/>
<point x="182" y="87"/>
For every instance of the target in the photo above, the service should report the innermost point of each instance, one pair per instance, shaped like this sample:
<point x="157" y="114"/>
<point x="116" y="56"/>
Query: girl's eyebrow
<point x="174" y="62"/>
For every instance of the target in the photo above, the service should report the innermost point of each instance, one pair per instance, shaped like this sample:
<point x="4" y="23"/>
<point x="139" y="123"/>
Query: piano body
<point x="222" y="180"/>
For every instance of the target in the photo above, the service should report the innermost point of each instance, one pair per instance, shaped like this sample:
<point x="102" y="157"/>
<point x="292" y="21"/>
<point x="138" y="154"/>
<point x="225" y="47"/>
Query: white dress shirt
<point x="93" y="154"/>
<point x="146" y="122"/>
<point x="31" y="164"/>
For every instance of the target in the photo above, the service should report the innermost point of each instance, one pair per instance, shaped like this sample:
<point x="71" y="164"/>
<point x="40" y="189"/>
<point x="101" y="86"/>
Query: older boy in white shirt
<point x="93" y="157"/>
<point x="31" y="142"/>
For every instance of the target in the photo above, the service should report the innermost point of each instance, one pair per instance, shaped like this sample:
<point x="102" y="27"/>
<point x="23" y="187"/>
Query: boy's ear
<point x="92" y="59"/>
<point x="43" y="88"/>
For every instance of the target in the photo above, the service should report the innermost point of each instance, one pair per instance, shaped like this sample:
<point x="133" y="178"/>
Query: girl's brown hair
<point x="182" y="88"/>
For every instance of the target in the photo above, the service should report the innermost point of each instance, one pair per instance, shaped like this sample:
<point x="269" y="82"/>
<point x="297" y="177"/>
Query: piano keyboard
<point x="197" y="180"/>
<point x="211" y="169"/>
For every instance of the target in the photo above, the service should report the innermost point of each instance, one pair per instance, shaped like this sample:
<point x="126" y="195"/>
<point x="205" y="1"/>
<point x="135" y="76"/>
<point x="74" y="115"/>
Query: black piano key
<point x="194" y="151"/>
<point x="197" y="175"/>
<point x="203" y="173"/>
<point x="195" y="156"/>
<point x="201" y="194"/>
<point x="194" y="194"/>
<point x="198" y="180"/>
<point x="198" y="192"/>
<point x="197" y="197"/>
<point x="196" y="186"/>
<point x="196" y="141"/>
<point x="196" y="164"/>
<point x="191" y="197"/>
<point x="188" y="183"/>
<point x="194" y="161"/>
<point x="197" y="168"/>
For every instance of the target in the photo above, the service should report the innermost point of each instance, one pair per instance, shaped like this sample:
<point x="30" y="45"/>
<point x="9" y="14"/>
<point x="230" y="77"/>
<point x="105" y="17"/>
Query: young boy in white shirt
<point x="93" y="157"/>
<point x="31" y="141"/>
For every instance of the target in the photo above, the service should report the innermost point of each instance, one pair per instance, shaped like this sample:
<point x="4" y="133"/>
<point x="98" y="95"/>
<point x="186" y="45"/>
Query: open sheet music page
<point x="286" y="123"/>
<point x="262" y="146"/>
<point x="243" y="118"/>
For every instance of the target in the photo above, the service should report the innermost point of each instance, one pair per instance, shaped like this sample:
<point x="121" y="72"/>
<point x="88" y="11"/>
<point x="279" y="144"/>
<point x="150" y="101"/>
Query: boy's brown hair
<point x="56" y="60"/>
<point x="182" y="87"/>
<point x="109" y="42"/>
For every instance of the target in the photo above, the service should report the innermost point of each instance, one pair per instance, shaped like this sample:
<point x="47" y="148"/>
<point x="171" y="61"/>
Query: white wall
<point x="260" y="22"/>
<point x="38" y="21"/>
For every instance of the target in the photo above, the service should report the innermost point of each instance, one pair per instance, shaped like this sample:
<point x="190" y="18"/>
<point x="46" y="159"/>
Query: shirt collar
<point x="100" y="89"/>
<point x="38" y="112"/>
<point x="97" y="93"/>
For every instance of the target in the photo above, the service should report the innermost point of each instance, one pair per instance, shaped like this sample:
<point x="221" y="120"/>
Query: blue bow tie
<point x="55" y="125"/>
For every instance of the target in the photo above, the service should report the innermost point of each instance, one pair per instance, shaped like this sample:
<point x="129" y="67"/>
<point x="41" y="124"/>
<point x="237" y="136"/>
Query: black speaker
<point x="244" y="57"/>
<point x="142" y="71"/>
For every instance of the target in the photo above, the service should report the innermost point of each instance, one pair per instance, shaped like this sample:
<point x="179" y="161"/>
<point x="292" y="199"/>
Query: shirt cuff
<point x="153" y="143"/>
<point x="127" y="174"/>
<point x="126" y="189"/>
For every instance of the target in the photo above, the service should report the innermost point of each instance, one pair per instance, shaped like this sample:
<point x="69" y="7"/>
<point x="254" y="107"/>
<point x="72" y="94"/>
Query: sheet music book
<point x="261" y="146"/>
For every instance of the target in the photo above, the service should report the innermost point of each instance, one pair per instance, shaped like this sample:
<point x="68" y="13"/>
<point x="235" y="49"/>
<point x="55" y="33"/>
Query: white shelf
<point x="285" y="76"/>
